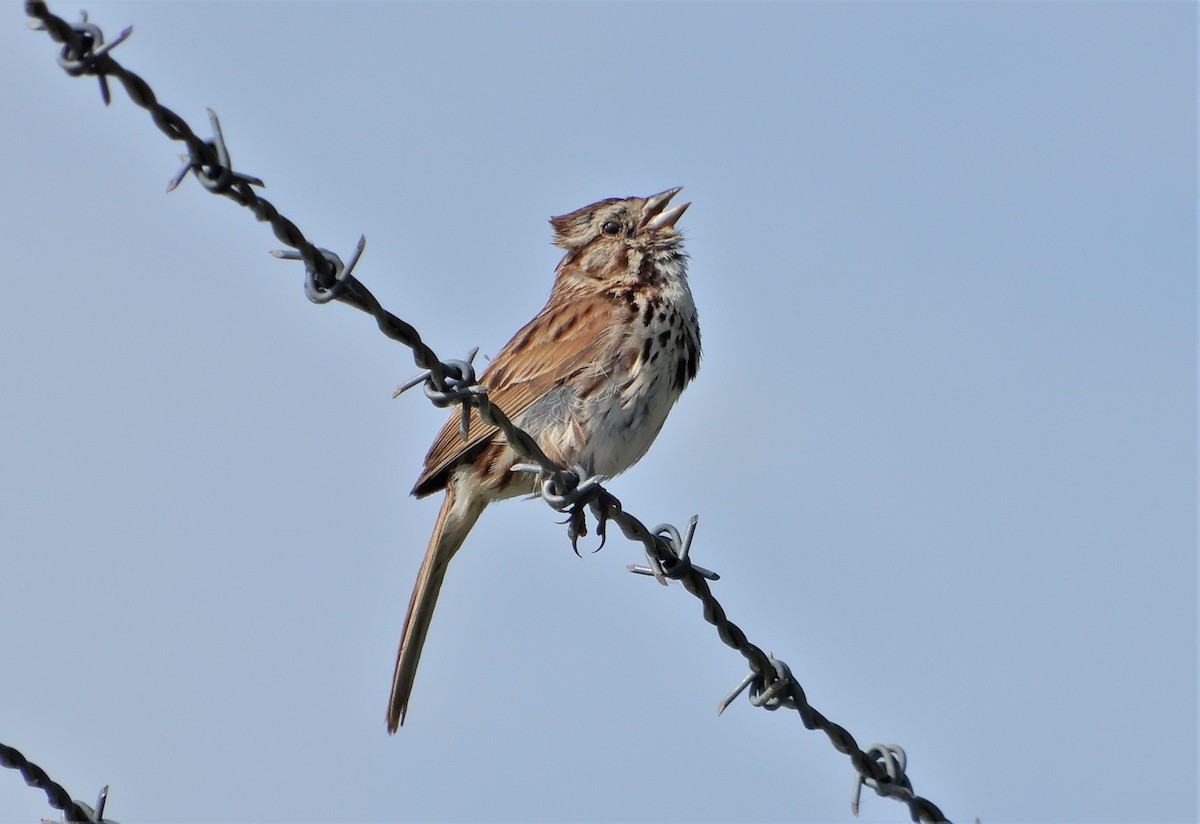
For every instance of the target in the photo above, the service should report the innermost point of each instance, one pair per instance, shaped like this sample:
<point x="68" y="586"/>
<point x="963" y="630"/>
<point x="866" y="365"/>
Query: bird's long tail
<point x="458" y="515"/>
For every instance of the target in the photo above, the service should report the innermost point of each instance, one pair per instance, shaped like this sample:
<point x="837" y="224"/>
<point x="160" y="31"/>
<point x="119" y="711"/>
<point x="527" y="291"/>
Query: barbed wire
<point x="56" y="794"/>
<point x="570" y="490"/>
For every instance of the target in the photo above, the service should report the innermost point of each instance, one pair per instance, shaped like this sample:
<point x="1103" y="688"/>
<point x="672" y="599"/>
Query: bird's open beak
<point x="656" y="216"/>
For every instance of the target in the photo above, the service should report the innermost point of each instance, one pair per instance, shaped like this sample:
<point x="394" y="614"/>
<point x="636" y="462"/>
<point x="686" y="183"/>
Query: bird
<point x="591" y="377"/>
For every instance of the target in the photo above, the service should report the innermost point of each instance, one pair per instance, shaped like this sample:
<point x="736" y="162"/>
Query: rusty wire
<point x="772" y="685"/>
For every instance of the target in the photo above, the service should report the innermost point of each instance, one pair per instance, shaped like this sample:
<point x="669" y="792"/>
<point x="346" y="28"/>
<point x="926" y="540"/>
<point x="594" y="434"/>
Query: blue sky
<point x="942" y="443"/>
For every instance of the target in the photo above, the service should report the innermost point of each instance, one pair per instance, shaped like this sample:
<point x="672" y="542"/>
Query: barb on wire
<point x="84" y="48"/>
<point x="313" y="290"/>
<point x="216" y="178"/>
<point x="56" y="794"/>
<point x="771" y="683"/>
<point x="892" y="759"/>
<point x="679" y="547"/>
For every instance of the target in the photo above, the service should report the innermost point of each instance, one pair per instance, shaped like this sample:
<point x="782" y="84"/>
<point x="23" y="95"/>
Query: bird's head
<point x="620" y="239"/>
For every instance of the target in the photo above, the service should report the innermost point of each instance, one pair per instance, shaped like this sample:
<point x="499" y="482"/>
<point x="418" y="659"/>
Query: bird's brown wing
<point x="560" y="340"/>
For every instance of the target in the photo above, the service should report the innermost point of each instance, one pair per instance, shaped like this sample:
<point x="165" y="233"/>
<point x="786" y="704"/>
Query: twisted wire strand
<point x="56" y="794"/>
<point x="453" y="382"/>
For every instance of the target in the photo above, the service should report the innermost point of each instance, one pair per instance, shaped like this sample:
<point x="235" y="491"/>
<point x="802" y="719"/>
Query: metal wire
<point x="772" y="685"/>
<point x="56" y="794"/>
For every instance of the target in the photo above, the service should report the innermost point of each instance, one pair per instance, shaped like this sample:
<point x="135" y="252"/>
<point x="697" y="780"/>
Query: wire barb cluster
<point x="771" y="683"/>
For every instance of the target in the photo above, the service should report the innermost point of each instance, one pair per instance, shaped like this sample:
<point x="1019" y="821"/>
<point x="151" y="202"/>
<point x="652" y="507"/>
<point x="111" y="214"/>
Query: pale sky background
<point x="942" y="443"/>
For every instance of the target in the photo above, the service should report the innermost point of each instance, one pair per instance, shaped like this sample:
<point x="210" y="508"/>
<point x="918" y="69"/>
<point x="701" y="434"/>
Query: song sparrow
<point x="591" y="378"/>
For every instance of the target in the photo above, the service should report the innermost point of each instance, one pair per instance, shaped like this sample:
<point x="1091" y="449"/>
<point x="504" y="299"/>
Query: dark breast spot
<point x="627" y="298"/>
<point x="689" y="360"/>
<point x="681" y="375"/>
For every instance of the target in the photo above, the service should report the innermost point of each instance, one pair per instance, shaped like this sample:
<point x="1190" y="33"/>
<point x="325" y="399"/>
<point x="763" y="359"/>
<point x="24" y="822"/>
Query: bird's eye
<point x="611" y="227"/>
